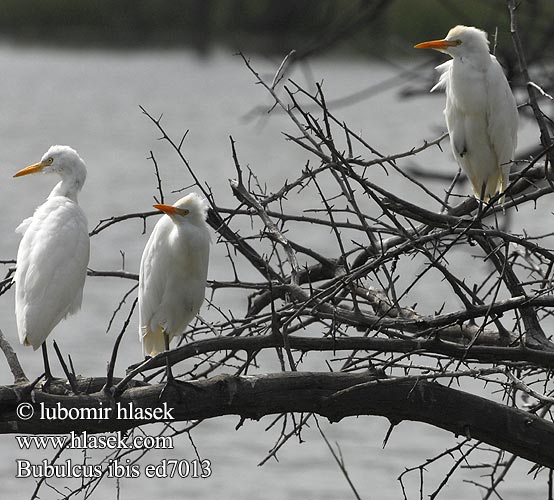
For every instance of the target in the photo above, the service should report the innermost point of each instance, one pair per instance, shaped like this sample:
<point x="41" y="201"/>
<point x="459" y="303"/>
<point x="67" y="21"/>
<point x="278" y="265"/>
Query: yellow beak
<point x="437" y="44"/>
<point x="31" y="169"/>
<point x="171" y="210"/>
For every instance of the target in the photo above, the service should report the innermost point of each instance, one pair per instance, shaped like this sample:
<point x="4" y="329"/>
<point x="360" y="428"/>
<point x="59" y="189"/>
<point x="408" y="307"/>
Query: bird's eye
<point x="457" y="42"/>
<point x="49" y="161"/>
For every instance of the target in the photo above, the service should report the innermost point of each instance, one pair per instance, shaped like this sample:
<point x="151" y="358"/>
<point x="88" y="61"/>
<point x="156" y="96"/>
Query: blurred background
<point x="76" y="73"/>
<point x="359" y="27"/>
<point x="265" y="26"/>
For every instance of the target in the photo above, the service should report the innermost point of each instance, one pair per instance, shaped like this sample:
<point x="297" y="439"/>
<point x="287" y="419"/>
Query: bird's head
<point x="191" y="208"/>
<point x="61" y="160"/>
<point x="460" y="41"/>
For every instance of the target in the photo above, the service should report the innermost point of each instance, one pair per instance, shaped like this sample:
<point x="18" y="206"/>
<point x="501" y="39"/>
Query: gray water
<point x="90" y="100"/>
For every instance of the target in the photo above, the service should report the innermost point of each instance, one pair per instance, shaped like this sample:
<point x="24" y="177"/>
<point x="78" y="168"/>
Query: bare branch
<point x="11" y="357"/>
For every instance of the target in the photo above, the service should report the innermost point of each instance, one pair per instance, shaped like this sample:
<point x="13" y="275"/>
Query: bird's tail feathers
<point x="26" y="343"/>
<point x="504" y="182"/>
<point x="153" y="341"/>
<point x="494" y="185"/>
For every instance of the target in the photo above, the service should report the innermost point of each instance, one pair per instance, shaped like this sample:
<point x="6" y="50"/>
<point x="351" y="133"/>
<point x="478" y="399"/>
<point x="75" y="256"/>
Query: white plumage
<point x="481" y="112"/>
<point x="54" y="251"/>
<point x="173" y="272"/>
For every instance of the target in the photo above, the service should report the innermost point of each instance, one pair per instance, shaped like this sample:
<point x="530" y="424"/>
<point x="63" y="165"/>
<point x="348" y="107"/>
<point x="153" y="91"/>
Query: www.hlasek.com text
<point x="166" y="468"/>
<point x="87" y="441"/>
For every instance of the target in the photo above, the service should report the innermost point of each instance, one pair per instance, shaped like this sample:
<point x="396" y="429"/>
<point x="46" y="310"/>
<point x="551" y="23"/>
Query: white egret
<point x="481" y="113"/>
<point x="173" y="272"/>
<point x="53" y="254"/>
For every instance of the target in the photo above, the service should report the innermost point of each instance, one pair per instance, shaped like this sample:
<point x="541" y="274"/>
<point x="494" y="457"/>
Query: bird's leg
<point x="171" y="381"/>
<point x="481" y="200"/>
<point x="26" y="391"/>
<point x="70" y="376"/>
<point x="168" y="372"/>
<point x="47" y="373"/>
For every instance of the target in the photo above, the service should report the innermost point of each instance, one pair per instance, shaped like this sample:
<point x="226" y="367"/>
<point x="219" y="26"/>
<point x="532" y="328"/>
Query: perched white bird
<point x="54" y="252"/>
<point x="173" y="271"/>
<point x="481" y="113"/>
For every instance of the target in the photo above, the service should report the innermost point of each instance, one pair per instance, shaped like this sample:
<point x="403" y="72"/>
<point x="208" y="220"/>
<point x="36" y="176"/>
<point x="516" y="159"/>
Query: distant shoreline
<point x="264" y="26"/>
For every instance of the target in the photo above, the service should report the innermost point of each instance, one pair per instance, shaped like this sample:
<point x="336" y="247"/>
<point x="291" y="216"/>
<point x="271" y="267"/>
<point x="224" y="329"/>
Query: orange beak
<point x="437" y="44"/>
<point x="31" y="169"/>
<point x="171" y="210"/>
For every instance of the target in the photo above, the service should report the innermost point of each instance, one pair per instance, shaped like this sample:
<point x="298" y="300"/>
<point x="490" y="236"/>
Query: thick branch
<point x="479" y="353"/>
<point x="508" y="428"/>
<point x="531" y="88"/>
<point x="333" y="395"/>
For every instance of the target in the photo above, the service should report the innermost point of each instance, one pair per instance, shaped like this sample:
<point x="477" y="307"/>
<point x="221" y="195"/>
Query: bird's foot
<point x="180" y="388"/>
<point x="53" y="385"/>
<point x="24" y="389"/>
<point x="111" y="395"/>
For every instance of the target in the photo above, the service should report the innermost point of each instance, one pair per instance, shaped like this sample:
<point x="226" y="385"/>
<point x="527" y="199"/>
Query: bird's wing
<point x="152" y="278"/>
<point x="444" y="70"/>
<point x="172" y="281"/>
<point x="456" y="123"/>
<point x="502" y="118"/>
<point x="24" y="225"/>
<point x="472" y="146"/>
<point x="455" y="116"/>
<point x="51" y="268"/>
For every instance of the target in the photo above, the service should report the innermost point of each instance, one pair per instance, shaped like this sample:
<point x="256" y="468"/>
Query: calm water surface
<point x="90" y="100"/>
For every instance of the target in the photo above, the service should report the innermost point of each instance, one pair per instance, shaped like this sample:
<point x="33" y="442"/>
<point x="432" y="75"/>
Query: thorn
<point x="393" y="424"/>
<point x="241" y="423"/>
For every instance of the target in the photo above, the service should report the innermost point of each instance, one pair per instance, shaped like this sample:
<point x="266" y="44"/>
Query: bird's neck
<point x="68" y="187"/>
<point x="479" y="61"/>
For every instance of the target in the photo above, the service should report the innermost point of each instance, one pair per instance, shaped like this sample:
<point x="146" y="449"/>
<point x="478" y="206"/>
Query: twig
<point x="11" y="357"/>
<point x="339" y="460"/>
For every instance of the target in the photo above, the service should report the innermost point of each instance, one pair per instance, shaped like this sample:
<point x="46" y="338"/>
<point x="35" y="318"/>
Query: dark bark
<point x="480" y="353"/>
<point x="332" y="395"/>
